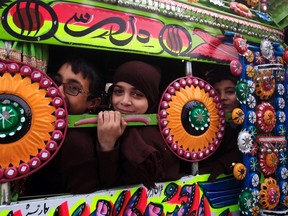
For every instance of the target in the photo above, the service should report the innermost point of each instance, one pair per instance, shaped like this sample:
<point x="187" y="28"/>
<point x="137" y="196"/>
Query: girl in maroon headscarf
<point x="143" y="155"/>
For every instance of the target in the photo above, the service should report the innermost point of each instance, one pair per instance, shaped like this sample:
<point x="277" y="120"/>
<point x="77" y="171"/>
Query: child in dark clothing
<point x="144" y="157"/>
<point x="227" y="153"/>
<point x="76" y="167"/>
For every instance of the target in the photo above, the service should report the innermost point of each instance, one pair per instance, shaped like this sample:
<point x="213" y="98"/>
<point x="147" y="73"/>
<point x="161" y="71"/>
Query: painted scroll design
<point x="89" y="26"/>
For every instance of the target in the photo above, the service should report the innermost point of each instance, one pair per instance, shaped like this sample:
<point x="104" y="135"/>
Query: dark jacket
<point x="146" y="159"/>
<point x="76" y="168"/>
<point x="226" y="154"/>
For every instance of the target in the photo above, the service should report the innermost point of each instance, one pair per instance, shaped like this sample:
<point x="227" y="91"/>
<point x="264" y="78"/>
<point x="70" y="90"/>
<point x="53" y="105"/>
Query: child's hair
<point x="218" y="74"/>
<point x="80" y="65"/>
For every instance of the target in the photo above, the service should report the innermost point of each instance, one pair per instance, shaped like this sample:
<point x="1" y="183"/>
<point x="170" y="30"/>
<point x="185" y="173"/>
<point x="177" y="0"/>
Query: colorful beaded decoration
<point x="33" y="120"/>
<point x="191" y="118"/>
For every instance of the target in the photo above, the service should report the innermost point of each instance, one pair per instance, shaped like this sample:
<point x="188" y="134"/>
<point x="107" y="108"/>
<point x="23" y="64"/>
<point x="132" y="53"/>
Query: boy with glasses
<point x="80" y="86"/>
<point x="76" y="167"/>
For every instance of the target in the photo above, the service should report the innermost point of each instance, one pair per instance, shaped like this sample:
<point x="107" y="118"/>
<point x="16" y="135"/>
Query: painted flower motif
<point x="199" y="117"/>
<point x="251" y="86"/>
<point x="252" y="3"/>
<point x="266" y="117"/>
<point x="282" y="158"/>
<point x="239" y="171"/>
<point x="268" y="163"/>
<point x="238" y="116"/>
<point x="259" y="58"/>
<point x="253" y="164"/>
<point x="281" y="116"/>
<point x="250" y="70"/>
<point x="246" y="201"/>
<point x="264" y="84"/>
<point x="235" y="67"/>
<point x="25" y="92"/>
<point x="240" y="43"/>
<point x="12" y="118"/>
<point x="273" y="195"/>
<point x="242" y="91"/>
<point x="280" y="89"/>
<point x="279" y="76"/>
<point x="251" y="102"/>
<point x="241" y="9"/>
<point x="244" y="141"/>
<point x="282" y="130"/>
<point x="255" y="180"/>
<point x="255" y="211"/>
<point x="281" y="103"/>
<point x="195" y="120"/>
<point x="284" y="173"/>
<point x="272" y="60"/>
<point x="256" y="195"/>
<point x="269" y="193"/>
<point x="280" y="60"/>
<point x="250" y="58"/>
<point x="269" y="117"/>
<point x="253" y="131"/>
<point x="267" y="49"/>
<point x="285" y="201"/>
<point x="252" y="117"/>
<point x="284" y="188"/>
<point x="272" y="159"/>
<point x="217" y="2"/>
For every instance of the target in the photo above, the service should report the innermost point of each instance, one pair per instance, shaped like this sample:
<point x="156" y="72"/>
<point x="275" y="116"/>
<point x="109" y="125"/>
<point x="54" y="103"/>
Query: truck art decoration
<point x="240" y="34"/>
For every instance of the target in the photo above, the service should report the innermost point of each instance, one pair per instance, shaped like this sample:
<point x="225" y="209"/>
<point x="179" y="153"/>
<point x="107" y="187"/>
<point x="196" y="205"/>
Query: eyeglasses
<point x="72" y="89"/>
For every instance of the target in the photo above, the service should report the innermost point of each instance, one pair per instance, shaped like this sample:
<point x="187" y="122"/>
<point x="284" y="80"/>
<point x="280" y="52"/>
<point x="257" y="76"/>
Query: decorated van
<point x="248" y="38"/>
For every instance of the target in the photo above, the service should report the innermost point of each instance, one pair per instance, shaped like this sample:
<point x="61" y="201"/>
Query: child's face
<point x="71" y="84"/>
<point x="226" y="92"/>
<point x="128" y="100"/>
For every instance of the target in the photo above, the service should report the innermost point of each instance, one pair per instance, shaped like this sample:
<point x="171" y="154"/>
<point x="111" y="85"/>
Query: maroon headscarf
<point x="143" y="148"/>
<point x="142" y="76"/>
